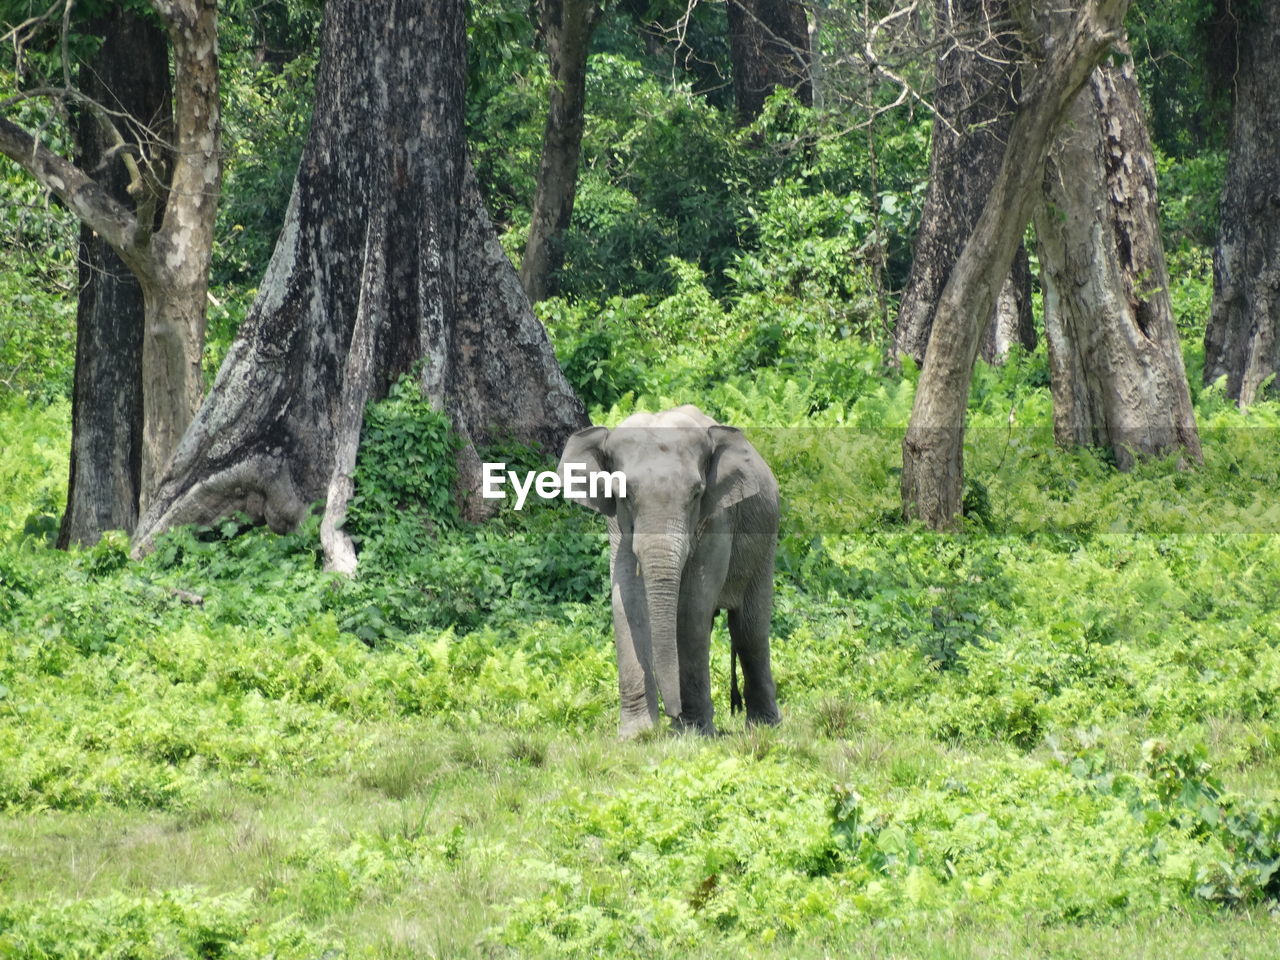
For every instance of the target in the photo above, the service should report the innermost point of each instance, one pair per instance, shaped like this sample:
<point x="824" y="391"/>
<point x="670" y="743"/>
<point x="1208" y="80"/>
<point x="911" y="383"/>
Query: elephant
<point x="694" y="534"/>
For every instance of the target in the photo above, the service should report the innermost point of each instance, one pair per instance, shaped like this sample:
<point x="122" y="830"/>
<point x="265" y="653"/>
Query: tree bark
<point x="1011" y="320"/>
<point x="932" y="450"/>
<point x="1117" y="375"/>
<point x="171" y="262"/>
<point x="567" y="26"/>
<point x="769" y="48"/>
<point x="129" y="74"/>
<point x="386" y="260"/>
<point x="175" y="278"/>
<point x="975" y="93"/>
<point x="1242" y="340"/>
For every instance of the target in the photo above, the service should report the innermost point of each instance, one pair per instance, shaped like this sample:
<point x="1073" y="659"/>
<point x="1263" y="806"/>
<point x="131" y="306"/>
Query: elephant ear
<point x="586" y="447"/>
<point x="734" y="472"/>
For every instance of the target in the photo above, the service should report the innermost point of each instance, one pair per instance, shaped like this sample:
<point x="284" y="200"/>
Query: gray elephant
<point x="694" y="534"/>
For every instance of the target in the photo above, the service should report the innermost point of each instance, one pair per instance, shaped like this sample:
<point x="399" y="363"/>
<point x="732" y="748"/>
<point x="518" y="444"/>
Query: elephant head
<point x="681" y="470"/>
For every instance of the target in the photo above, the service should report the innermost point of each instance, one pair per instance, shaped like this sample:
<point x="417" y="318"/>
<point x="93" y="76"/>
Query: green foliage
<point x="1190" y="188"/>
<point x="418" y="567"/>
<point x="507" y="84"/>
<point x="37" y="339"/>
<point x="263" y="130"/>
<point x="930" y="770"/>
<point x="406" y="471"/>
<point x="178" y="924"/>
<point x="1052" y="732"/>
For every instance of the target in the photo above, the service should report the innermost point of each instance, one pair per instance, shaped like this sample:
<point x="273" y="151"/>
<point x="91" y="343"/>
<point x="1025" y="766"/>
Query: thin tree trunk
<point x="1011" y="321"/>
<point x="976" y="90"/>
<point x="932" y="450"/>
<point x="769" y="48"/>
<point x="1242" y="341"/>
<point x="385" y="223"/>
<point x="1117" y="374"/>
<point x="175" y="277"/>
<point x="567" y="26"/>
<point x="129" y="74"/>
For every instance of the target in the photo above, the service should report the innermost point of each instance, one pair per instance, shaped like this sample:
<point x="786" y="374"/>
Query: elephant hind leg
<point x="749" y="633"/>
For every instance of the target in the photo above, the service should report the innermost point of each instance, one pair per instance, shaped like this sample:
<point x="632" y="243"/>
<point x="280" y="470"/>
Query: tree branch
<point x="83" y="196"/>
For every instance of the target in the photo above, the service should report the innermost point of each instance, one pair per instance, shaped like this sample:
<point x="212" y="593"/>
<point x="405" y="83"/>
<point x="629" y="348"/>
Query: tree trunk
<point x="175" y="275"/>
<point x="1116" y="364"/>
<point x="386" y="259"/>
<point x="567" y="26"/>
<point x="932" y="450"/>
<point x="976" y="89"/>
<point x="1242" y="341"/>
<point x="171" y="262"/>
<point x="769" y="47"/>
<point x="128" y="74"/>
<point x="1011" y="321"/>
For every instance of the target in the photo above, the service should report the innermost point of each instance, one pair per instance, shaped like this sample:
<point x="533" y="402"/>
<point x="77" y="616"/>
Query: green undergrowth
<point x="1053" y="731"/>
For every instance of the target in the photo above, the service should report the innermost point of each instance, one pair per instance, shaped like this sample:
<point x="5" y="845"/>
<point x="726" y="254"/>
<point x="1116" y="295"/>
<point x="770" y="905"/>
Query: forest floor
<point x="1051" y="734"/>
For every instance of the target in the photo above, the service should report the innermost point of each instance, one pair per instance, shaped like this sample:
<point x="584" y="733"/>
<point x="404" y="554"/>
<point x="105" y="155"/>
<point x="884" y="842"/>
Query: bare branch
<point x="83" y="196"/>
<point x="19" y="34"/>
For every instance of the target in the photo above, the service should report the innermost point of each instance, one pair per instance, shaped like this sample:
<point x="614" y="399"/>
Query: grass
<point x="1050" y="734"/>
<point x="422" y="847"/>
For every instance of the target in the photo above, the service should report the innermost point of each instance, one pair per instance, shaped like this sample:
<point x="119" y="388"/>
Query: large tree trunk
<point x="932" y="451"/>
<point x="386" y="259"/>
<point x="128" y="74"/>
<point x="567" y="26"/>
<point x="1242" y="341"/>
<point x="769" y="48"/>
<point x="1117" y="373"/>
<point x="976" y="89"/>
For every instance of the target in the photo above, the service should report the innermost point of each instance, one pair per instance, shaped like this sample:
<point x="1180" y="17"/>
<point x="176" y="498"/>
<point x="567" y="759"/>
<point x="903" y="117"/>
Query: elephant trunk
<point x="662" y="568"/>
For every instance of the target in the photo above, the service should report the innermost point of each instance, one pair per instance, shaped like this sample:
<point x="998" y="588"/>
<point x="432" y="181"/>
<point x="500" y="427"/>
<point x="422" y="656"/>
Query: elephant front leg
<point x="637" y="689"/>
<point x="697" y="613"/>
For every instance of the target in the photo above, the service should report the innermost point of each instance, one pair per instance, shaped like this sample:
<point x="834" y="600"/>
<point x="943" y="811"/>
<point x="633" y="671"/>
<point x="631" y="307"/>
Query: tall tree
<point x="1117" y="374"/>
<point x="566" y="26"/>
<point x="387" y="263"/>
<point x="769" y="48"/>
<point x="1068" y="46"/>
<point x="171" y="262"/>
<point x="128" y="76"/>
<point x="1242" y="340"/>
<point x="975" y="95"/>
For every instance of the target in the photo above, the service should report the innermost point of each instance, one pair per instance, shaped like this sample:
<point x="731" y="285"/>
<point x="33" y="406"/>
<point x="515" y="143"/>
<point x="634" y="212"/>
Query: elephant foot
<point x="771" y="719"/>
<point x="629" y="728"/>
<point x="706" y="728"/>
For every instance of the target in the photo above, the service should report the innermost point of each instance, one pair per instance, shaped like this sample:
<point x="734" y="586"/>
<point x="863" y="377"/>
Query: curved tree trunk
<point x="567" y="26"/>
<point x="769" y="47"/>
<point x="1117" y="374"/>
<point x="128" y="74"/>
<point x="976" y="89"/>
<point x="933" y="448"/>
<point x="1242" y="341"/>
<point x="386" y="259"/>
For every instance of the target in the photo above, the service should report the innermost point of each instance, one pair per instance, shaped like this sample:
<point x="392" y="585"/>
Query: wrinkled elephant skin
<point x="694" y="534"/>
